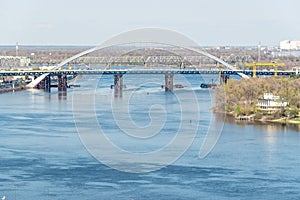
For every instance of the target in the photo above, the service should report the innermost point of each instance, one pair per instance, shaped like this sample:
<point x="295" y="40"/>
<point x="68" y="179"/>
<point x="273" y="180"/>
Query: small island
<point x="273" y="99"/>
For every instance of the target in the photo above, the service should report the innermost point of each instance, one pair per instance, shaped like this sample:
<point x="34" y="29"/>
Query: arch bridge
<point x="164" y="39"/>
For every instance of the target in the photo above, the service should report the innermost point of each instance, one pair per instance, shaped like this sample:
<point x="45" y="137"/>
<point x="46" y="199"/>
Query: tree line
<point x="240" y="97"/>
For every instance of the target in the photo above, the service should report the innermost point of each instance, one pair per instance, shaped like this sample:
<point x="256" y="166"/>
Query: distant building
<point x="271" y="103"/>
<point x="14" y="61"/>
<point x="290" y="45"/>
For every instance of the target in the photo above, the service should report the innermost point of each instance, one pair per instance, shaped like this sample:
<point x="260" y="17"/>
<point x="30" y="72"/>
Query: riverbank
<point x="4" y="90"/>
<point x="264" y="119"/>
<point x="286" y="121"/>
<point x="273" y="99"/>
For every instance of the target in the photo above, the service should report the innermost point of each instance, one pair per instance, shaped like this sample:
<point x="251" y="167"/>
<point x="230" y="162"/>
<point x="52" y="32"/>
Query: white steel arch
<point x="144" y="36"/>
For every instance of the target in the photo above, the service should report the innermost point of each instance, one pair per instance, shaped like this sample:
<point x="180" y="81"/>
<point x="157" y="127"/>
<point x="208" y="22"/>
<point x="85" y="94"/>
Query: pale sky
<point x="90" y="22"/>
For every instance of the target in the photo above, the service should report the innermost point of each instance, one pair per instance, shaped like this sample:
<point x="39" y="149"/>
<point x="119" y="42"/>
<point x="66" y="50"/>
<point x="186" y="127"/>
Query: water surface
<point x="42" y="157"/>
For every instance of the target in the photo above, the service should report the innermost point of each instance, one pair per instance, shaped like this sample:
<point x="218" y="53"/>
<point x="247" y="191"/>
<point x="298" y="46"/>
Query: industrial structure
<point x="267" y="65"/>
<point x="290" y="45"/>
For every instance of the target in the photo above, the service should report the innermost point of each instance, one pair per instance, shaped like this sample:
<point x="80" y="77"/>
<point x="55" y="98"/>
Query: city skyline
<point x="212" y="23"/>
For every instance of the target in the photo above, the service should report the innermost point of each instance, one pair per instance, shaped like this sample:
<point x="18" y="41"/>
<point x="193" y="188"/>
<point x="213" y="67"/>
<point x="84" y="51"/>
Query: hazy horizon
<point x="89" y="23"/>
<point x="90" y="46"/>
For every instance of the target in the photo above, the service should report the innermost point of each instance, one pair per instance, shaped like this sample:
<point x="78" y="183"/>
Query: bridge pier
<point x="39" y="85"/>
<point x="118" y="85"/>
<point x="169" y="80"/>
<point x="254" y="72"/>
<point x="118" y="81"/>
<point x="45" y="84"/>
<point x="224" y="78"/>
<point x="62" y="82"/>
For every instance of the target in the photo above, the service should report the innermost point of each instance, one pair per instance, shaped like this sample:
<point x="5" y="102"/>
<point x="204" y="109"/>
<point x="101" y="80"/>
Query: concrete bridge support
<point x="118" y="85"/>
<point x="254" y="72"/>
<point x="118" y="81"/>
<point x="62" y="82"/>
<point x="45" y="84"/>
<point x="169" y="82"/>
<point x="38" y="86"/>
<point x="224" y="78"/>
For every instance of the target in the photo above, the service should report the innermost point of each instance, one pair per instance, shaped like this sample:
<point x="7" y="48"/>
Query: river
<point x="42" y="156"/>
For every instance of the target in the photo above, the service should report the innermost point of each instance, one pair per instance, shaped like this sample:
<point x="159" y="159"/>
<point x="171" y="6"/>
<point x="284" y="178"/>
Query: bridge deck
<point x="140" y="71"/>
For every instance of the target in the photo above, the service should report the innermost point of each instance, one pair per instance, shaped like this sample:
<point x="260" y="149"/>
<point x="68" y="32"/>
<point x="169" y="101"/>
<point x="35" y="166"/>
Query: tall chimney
<point x="17" y="49"/>
<point x="258" y="51"/>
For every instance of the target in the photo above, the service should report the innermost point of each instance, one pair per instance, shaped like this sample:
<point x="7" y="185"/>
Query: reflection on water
<point x="62" y="95"/>
<point x="267" y="127"/>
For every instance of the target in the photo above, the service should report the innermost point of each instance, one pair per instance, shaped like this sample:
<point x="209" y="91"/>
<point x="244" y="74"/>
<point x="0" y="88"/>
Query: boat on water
<point x="179" y="86"/>
<point x="208" y="85"/>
